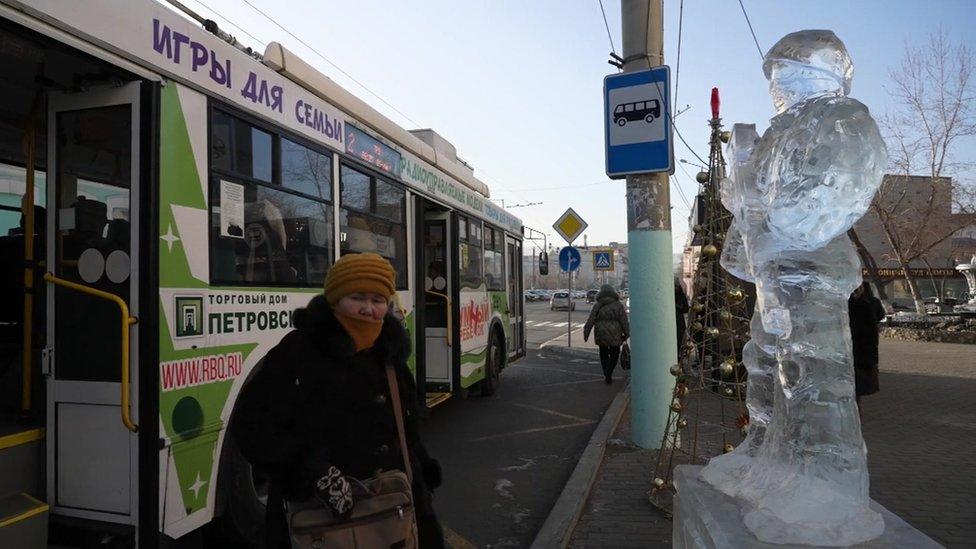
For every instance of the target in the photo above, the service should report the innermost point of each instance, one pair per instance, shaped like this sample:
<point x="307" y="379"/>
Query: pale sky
<point x="516" y="86"/>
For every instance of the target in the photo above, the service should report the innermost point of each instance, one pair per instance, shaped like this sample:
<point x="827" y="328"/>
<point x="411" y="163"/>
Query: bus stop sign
<point x="637" y="122"/>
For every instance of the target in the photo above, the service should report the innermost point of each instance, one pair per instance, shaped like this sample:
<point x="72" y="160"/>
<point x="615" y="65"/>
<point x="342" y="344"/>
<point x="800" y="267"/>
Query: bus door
<point x="435" y="275"/>
<point x="513" y="283"/>
<point x="93" y="155"/>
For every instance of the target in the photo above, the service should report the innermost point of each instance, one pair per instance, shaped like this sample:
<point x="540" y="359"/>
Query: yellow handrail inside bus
<point x="447" y="335"/>
<point x="127" y="321"/>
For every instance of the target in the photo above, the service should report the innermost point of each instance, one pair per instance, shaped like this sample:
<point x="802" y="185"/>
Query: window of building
<point x="494" y="259"/>
<point x="271" y="214"/>
<point x="470" y="254"/>
<point x="372" y="219"/>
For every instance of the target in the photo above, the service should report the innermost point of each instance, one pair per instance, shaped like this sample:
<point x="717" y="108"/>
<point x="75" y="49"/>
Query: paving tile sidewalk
<point x="920" y="430"/>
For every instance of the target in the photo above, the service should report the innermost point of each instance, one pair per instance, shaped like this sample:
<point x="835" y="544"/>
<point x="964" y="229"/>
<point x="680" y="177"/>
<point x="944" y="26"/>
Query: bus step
<point x="23" y="521"/>
<point x="433" y="399"/>
<point x="21" y="459"/>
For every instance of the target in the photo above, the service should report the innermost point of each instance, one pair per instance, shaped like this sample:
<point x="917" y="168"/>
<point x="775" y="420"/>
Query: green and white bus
<point x="168" y="198"/>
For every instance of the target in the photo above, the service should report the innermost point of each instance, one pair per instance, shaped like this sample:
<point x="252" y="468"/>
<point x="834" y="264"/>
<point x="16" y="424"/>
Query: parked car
<point x="591" y="295"/>
<point x="561" y="300"/>
<point x="536" y="295"/>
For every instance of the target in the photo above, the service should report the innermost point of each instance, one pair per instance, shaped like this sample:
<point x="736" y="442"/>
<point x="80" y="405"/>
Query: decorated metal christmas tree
<point x="708" y="414"/>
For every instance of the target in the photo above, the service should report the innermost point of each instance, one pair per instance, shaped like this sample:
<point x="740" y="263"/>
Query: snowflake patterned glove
<point x="334" y="490"/>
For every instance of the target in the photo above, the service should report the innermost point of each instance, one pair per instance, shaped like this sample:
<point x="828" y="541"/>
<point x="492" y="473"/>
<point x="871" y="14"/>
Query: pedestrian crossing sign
<point x="603" y="260"/>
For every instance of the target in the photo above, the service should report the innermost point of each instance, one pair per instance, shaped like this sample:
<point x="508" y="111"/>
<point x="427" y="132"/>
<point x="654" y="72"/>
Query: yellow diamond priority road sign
<point x="570" y="225"/>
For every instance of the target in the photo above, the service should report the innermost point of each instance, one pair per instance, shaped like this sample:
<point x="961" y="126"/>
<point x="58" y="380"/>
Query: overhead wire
<point x="607" y="24"/>
<point x="329" y="61"/>
<point x="681" y="193"/>
<point x="748" y="22"/>
<point x="677" y="65"/>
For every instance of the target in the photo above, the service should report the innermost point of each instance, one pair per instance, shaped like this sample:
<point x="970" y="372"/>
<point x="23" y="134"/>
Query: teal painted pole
<point x="652" y="313"/>
<point x="653" y="334"/>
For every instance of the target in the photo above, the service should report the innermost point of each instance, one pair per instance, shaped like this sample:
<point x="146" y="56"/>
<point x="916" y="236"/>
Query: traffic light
<point x="543" y="263"/>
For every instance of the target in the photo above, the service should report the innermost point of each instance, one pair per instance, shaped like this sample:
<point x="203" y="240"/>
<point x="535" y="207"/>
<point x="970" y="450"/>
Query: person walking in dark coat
<point x="865" y="312"/>
<point x="609" y="320"/>
<point x="680" y="310"/>
<point x="320" y="411"/>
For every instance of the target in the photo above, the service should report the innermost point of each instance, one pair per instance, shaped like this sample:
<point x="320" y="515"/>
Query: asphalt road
<point x="507" y="457"/>
<point x="543" y="325"/>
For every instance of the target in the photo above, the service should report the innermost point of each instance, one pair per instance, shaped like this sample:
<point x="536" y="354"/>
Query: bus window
<point x="355" y="188"/>
<point x="470" y="255"/>
<point x="389" y="201"/>
<point x="268" y="232"/>
<point x="239" y="148"/>
<point x="372" y="219"/>
<point x="286" y="238"/>
<point x="305" y="170"/>
<point x="494" y="262"/>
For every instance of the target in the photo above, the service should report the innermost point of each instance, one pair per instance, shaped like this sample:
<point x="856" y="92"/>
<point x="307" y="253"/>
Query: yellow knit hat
<point x="365" y="272"/>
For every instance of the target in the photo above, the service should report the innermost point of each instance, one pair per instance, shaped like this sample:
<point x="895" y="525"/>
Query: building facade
<point x="930" y="229"/>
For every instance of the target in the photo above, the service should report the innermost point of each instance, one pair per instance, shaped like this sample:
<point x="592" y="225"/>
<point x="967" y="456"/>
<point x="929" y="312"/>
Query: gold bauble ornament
<point x="702" y="177"/>
<point x="727" y="367"/>
<point x="689" y="346"/>
<point x="736" y="294"/>
<point x="729" y="391"/>
<point x="681" y="391"/>
<point x="709" y="251"/>
<point x="725" y="136"/>
<point x="675" y="369"/>
<point x="682" y="423"/>
<point x="728" y="448"/>
<point x="712" y="331"/>
<point x="725" y="315"/>
<point x="698" y="228"/>
<point x="675" y="406"/>
<point x="659" y="483"/>
<point x="697" y="307"/>
<point x="697" y="326"/>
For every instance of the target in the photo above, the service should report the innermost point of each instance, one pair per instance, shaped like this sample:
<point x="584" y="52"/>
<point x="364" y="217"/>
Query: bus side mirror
<point x="543" y="263"/>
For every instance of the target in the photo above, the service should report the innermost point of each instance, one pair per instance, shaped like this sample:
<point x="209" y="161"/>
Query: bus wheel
<point x="494" y="360"/>
<point x="244" y="492"/>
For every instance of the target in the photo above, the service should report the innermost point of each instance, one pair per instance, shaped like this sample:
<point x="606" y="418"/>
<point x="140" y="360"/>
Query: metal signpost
<point x="638" y="145"/>
<point x="569" y="261"/>
<point x="569" y="226"/>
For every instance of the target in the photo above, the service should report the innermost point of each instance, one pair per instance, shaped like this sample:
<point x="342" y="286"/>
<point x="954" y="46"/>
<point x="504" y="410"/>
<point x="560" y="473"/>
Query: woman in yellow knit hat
<point x="319" y="410"/>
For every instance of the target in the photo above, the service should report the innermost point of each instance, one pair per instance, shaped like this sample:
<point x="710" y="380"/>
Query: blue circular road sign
<point x="569" y="258"/>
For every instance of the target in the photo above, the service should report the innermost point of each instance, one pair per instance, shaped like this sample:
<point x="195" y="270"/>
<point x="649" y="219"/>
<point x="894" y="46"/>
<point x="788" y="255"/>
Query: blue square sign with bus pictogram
<point x="637" y="122"/>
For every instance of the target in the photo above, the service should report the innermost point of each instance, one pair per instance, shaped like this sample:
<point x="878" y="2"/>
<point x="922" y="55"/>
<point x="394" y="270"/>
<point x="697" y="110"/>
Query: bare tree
<point x="934" y="110"/>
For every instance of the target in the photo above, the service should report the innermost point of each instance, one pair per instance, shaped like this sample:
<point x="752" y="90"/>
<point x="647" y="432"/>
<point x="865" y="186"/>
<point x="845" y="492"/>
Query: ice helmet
<point x="820" y="49"/>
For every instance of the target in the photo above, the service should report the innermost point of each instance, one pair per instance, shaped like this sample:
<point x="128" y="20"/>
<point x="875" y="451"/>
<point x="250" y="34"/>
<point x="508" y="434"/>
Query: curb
<point x="571" y="352"/>
<point x="559" y="525"/>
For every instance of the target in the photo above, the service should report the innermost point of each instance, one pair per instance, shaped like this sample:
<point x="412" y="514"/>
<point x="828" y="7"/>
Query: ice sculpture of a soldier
<point x="801" y="475"/>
